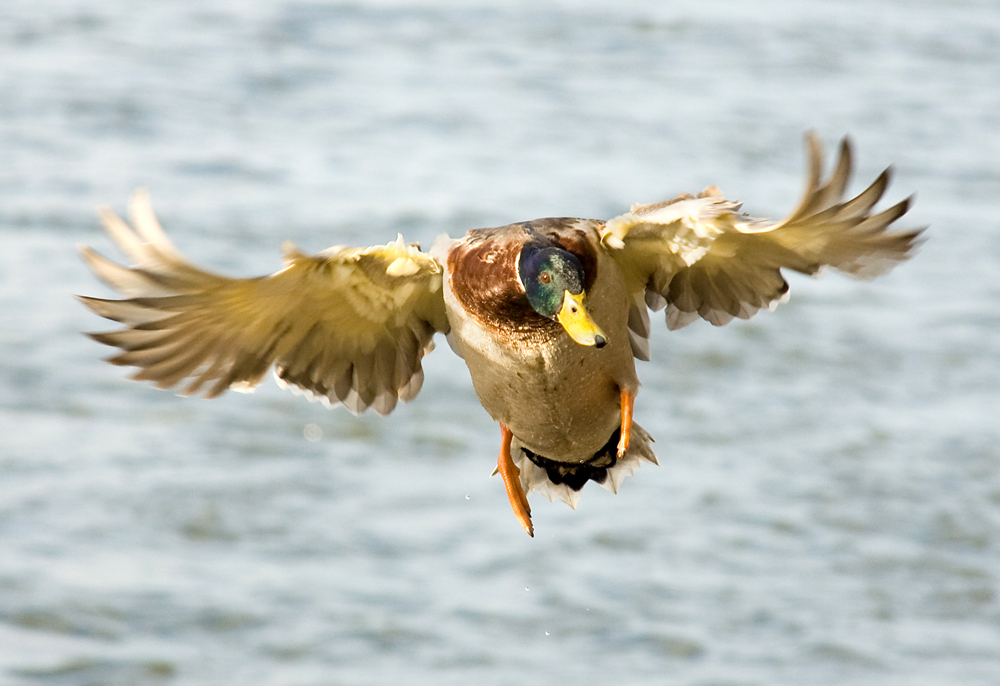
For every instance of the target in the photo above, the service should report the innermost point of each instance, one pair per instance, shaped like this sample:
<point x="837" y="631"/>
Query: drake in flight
<point x="549" y="315"/>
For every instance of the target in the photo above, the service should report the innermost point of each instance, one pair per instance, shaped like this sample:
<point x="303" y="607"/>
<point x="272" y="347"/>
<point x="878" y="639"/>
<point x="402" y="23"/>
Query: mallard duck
<point x="549" y="315"/>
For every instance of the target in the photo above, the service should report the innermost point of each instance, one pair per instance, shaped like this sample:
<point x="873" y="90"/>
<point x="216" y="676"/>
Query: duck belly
<point x="561" y="403"/>
<point x="560" y="399"/>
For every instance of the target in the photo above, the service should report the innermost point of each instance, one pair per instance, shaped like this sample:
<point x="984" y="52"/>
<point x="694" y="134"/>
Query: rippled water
<point x="827" y="509"/>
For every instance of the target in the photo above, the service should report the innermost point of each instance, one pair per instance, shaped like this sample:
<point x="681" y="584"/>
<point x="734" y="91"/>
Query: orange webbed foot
<point x="512" y="481"/>
<point x="628" y="402"/>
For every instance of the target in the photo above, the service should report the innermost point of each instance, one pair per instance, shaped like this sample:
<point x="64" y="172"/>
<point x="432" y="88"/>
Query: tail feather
<point x="564" y="481"/>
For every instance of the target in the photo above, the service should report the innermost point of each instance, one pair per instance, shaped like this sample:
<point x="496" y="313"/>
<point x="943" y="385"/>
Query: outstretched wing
<point x="349" y="325"/>
<point x="701" y="257"/>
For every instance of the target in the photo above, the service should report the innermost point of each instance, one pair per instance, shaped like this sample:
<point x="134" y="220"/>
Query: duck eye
<point x="545" y="277"/>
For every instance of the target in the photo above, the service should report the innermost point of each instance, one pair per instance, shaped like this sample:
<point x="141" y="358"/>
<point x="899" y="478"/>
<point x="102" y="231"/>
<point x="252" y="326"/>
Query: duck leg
<point x="628" y="402"/>
<point x="512" y="480"/>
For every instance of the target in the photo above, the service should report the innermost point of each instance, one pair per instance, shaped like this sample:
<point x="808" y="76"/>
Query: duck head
<point x="553" y="281"/>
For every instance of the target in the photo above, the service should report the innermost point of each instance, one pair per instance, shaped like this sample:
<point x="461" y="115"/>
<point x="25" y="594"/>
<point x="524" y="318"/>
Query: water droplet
<point x="546" y="633"/>
<point x="466" y="497"/>
<point x="312" y="432"/>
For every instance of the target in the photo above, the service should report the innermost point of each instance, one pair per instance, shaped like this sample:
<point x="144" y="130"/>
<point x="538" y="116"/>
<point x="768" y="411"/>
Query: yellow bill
<point x="578" y="324"/>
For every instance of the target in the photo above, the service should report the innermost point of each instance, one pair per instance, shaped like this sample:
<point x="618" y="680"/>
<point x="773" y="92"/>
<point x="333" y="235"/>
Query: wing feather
<point x="700" y="257"/>
<point x="350" y="325"/>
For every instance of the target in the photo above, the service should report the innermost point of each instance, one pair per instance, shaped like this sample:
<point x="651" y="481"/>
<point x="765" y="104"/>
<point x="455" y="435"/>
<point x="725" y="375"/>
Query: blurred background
<point x="827" y="507"/>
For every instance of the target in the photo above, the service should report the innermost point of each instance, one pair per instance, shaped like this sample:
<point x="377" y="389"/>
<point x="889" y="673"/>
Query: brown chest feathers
<point x="484" y="275"/>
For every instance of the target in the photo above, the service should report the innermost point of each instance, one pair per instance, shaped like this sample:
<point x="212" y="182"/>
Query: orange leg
<point x="512" y="480"/>
<point x="628" y="401"/>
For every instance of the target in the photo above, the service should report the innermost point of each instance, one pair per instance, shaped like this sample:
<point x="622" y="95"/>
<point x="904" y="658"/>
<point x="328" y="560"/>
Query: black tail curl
<point x="576" y="474"/>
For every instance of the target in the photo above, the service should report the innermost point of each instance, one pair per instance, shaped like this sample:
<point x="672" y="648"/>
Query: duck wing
<point x="349" y="325"/>
<point x="701" y="257"/>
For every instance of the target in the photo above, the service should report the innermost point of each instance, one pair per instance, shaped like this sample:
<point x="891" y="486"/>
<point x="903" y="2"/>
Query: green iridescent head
<point x="553" y="281"/>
